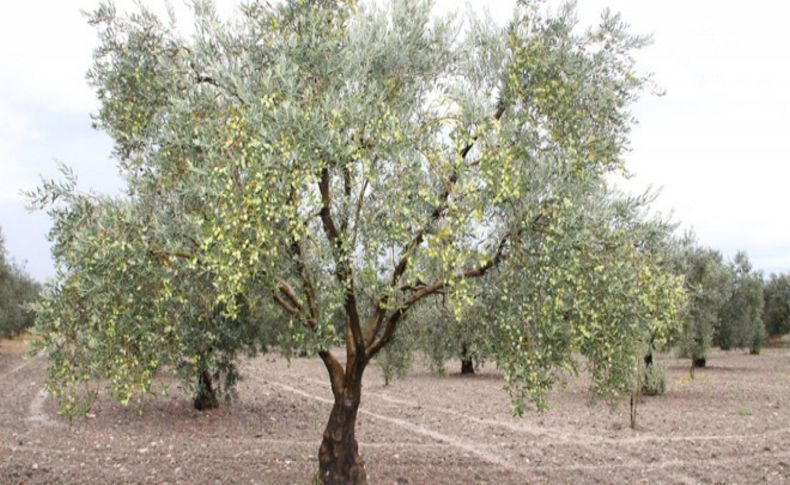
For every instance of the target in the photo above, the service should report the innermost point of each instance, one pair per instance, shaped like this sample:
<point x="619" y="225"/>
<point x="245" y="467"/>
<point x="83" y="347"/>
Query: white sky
<point x="715" y="143"/>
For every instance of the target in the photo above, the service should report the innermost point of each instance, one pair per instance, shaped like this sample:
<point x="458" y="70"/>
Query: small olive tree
<point x="355" y="163"/>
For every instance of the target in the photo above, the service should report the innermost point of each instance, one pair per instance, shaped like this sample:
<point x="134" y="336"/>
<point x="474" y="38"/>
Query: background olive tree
<point x="121" y="307"/>
<point x="17" y="291"/>
<point x="776" y="313"/>
<point x="708" y="283"/>
<point x="741" y="318"/>
<point x="354" y="164"/>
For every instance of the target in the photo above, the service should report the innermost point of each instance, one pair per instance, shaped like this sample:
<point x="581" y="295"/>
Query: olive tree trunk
<point x="206" y="395"/>
<point x="698" y="361"/>
<point x="339" y="462"/>
<point x="467" y="365"/>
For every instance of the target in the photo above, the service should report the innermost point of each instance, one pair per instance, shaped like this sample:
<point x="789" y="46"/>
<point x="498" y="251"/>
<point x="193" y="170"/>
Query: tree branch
<point x="204" y="79"/>
<point x="439" y="209"/>
<point x="423" y="290"/>
<point x="403" y="262"/>
<point x="335" y="371"/>
<point x="355" y="344"/>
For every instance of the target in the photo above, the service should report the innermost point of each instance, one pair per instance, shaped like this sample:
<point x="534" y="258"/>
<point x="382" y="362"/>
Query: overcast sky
<point x="716" y="143"/>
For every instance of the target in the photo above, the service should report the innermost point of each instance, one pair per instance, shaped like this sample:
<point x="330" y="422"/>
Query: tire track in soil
<point x="569" y="437"/>
<point x="674" y="467"/>
<point x="574" y="437"/>
<point x="23" y="403"/>
<point x="20" y="367"/>
<point x="36" y="412"/>
<point x="453" y="441"/>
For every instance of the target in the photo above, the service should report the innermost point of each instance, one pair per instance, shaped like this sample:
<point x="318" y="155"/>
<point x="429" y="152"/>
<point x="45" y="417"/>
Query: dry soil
<point x="730" y="424"/>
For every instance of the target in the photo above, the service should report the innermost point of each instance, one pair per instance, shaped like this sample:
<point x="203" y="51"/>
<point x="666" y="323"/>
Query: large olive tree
<point x="352" y="163"/>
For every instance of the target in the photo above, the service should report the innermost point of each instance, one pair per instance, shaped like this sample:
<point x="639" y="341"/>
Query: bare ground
<point x="731" y="424"/>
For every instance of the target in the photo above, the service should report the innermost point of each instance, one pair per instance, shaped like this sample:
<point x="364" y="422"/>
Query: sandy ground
<point x="731" y="424"/>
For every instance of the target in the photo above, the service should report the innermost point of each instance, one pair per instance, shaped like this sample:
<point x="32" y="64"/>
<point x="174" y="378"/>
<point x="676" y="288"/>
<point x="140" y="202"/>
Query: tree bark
<point x="648" y="360"/>
<point x="698" y="362"/>
<point x="467" y="365"/>
<point x="206" y="396"/>
<point x="339" y="462"/>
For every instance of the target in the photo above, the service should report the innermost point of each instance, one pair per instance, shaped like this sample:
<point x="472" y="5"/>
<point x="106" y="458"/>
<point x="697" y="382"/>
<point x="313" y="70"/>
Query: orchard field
<point x="730" y="424"/>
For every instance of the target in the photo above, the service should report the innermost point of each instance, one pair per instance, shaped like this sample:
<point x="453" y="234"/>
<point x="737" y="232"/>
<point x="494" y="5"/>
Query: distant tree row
<point x="16" y="289"/>
<point x="730" y="305"/>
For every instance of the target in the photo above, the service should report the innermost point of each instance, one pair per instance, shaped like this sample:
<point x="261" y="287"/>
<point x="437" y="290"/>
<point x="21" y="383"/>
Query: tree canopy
<point x="349" y="165"/>
<point x="709" y="287"/>
<point x="741" y="319"/>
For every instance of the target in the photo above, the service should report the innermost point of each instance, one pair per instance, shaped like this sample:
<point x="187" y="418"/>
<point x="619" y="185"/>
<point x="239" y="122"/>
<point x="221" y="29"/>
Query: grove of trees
<point x="317" y="174"/>
<point x="741" y="319"/>
<point x="17" y="291"/>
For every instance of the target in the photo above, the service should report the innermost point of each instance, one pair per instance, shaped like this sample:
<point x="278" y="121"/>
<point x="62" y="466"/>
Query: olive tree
<point x="354" y="163"/>
<point x="776" y="314"/>
<point x="741" y="318"/>
<point x="17" y="291"/>
<point x="120" y="308"/>
<point x="709" y="287"/>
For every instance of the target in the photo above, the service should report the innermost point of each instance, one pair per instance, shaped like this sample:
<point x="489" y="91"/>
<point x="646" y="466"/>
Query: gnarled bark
<point x="339" y="462"/>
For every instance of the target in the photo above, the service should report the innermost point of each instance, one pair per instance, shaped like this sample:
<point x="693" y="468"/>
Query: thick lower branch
<point x="356" y="343"/>
<point x="335" y="370"/>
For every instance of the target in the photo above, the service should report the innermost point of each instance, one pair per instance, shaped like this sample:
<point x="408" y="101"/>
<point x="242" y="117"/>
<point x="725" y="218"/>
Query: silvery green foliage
<point x="655" y="380"/>
<point x="353" y="163"/>
<point x="127" y="302"/>
<point x="741" y="317"/>
<point x="777" y="304"/>
<point x="17" y="291"/>
<point x="708" y="284"/>
<point x="612" y="238"/>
